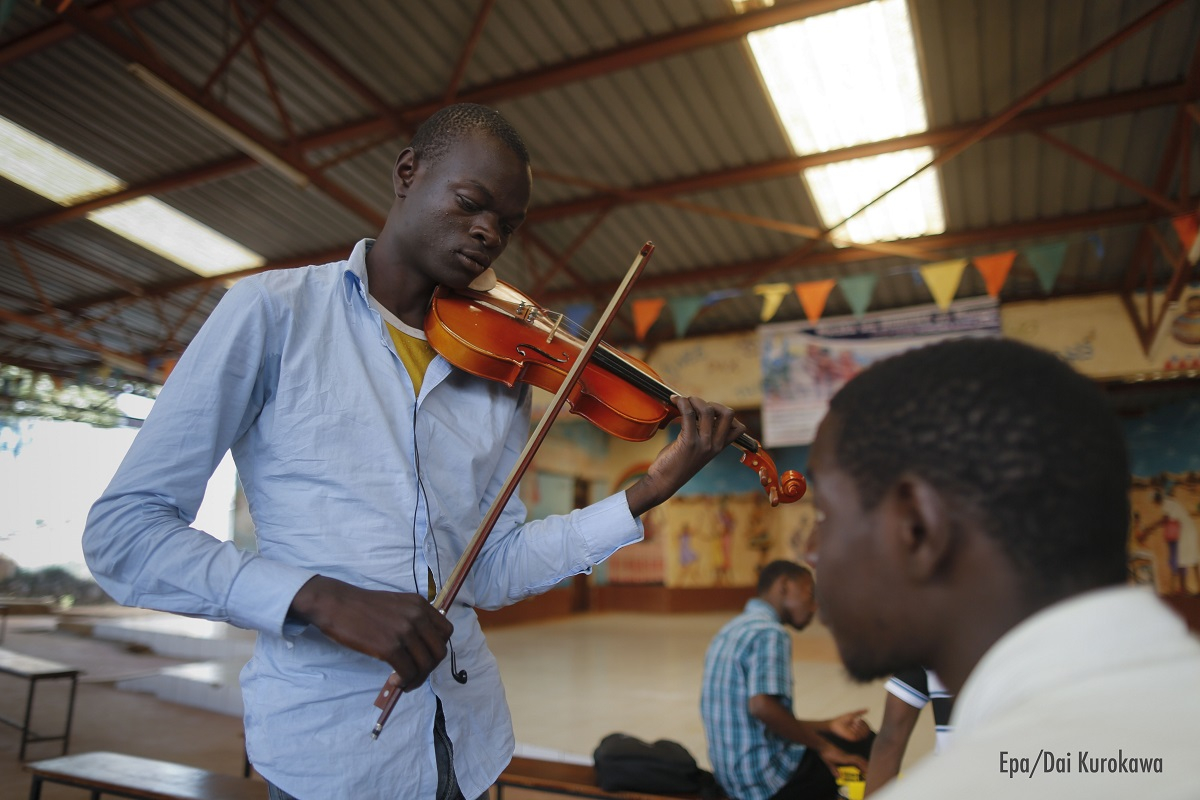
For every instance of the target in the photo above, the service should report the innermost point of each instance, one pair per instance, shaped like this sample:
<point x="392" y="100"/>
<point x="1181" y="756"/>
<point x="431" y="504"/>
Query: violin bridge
<point x="558" y="318"/>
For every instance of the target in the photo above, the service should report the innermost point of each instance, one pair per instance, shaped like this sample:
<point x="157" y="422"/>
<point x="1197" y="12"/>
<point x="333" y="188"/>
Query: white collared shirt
<point x="1095" y="697"/>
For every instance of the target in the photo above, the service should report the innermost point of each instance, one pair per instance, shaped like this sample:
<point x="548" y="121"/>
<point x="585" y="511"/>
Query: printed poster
<point x="803" y="367"/>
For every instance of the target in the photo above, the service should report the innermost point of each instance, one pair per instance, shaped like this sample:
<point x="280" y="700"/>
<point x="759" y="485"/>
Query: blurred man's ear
<point x="923" y="526"/>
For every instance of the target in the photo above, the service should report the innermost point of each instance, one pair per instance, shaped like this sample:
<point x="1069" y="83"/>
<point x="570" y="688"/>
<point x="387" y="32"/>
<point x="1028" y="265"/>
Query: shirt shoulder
<point x="282" y="283"/>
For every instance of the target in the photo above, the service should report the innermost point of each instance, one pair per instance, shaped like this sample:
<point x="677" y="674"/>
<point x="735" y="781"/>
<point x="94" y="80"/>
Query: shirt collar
<point x="356" y="270"/>
<point x="760" y="607"/>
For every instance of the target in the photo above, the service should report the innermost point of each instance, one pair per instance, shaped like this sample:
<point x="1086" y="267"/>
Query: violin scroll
<point x="789" y="490"/>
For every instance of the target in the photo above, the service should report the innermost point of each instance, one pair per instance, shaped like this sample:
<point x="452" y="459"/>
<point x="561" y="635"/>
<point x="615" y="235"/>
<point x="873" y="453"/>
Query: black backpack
<point x="627" y="763"/>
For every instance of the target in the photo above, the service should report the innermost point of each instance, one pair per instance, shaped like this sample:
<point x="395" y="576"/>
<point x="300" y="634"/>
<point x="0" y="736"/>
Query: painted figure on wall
<point x="722" y="540"/>
<point x="1165" y="535"/>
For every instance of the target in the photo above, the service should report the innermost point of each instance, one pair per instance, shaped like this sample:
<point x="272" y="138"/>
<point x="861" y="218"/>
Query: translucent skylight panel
<point x="176" y="236"/>
<point x="851" y="77"/>
<point x="48" y="170"/>
<point x="915" y="209"/>
<point x="54" y="173"/>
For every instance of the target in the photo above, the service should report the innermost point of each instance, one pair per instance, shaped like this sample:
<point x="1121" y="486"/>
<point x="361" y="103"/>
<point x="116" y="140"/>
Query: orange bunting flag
<point x="813" y="296"/>
<point x="645" y="314"/>
<point x="772" y="295"/>
<point x="943" y="279"/>
<point x="1185" y="228"/>
<point x="994" y="269"/>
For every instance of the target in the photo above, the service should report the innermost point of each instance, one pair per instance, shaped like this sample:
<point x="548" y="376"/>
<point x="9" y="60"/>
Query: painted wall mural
<point x="1164" y="534"/>
<point x="725" y="540"/>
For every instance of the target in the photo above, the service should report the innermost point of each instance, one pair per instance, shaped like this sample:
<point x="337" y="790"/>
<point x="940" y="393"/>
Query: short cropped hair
<point x="1020" y="440"/>
<point x="778" y="569"/>
<point x="451" y="123"/>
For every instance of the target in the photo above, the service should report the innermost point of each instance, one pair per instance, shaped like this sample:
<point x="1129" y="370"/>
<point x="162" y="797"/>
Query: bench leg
<point x="28" y="715"/>
<point x="35" y="788"/>
<point x="70" y="713"/>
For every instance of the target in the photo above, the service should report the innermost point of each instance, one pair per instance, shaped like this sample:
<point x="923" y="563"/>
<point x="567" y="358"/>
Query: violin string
<point x="619" y="367"/>
<point x="608" y="359"/>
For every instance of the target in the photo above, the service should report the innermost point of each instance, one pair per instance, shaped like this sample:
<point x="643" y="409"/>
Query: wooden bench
<point x="33" y="670"/>
<point x="556" y="777"/>
<point x="140" y="778"/>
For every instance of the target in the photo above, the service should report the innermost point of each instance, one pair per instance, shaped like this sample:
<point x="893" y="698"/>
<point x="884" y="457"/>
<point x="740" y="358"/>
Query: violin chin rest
<point x="485" y="281"/>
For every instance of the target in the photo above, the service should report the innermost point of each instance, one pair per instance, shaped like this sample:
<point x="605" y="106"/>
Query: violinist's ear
<point x="402" y="175"/>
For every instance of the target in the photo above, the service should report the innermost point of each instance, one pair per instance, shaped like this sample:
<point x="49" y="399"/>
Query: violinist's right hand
<point x="400" y="628"/>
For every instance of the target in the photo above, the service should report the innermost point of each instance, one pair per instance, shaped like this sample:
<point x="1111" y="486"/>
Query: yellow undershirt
<point x="414" y="351"/>
<point x="415" y="354"/>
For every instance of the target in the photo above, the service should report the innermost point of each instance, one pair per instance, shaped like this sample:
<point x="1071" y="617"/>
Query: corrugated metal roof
<point x="696" y="113"/>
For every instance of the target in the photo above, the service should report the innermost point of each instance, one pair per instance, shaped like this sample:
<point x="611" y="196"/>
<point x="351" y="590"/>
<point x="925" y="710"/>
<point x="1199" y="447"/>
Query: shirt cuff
<point x="607" y="526"/>
<point x="262" y="593"/>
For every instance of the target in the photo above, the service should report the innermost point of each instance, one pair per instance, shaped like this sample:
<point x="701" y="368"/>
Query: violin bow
<point x="444" y="599"/>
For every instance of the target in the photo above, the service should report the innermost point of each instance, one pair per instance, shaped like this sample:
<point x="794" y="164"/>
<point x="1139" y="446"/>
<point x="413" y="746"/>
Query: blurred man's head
<point x="788" y="588"/>
<point x="965" y="484"/>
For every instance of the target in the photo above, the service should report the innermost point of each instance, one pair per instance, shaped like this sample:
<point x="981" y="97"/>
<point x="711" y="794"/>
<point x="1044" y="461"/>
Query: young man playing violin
<point x="368" y="462"/>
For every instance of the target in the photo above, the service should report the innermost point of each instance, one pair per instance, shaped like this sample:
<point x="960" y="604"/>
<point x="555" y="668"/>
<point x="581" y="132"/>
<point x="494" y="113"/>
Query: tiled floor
<point x="569" y="682"/>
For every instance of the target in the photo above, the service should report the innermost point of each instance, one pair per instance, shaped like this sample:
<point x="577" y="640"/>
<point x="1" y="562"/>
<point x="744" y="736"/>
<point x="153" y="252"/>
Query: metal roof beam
<point x="30" y="322"/>
<point x="996" y="122"/>
<point x="180" y="180"/>
<point x="57" y="31"/>
<point x="1066" y="113"/>
<point x="722" y="272"/>
<point x="135" y="54"/>
<point x="1050" y="116"/>
<point x="942" y="241"/>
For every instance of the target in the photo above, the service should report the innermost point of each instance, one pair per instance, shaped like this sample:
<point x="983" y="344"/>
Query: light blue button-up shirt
<point x="347" y="475"/>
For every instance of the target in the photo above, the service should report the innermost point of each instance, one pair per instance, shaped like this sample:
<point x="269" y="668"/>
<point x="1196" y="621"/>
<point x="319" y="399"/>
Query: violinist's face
<point x="459" y="211"/>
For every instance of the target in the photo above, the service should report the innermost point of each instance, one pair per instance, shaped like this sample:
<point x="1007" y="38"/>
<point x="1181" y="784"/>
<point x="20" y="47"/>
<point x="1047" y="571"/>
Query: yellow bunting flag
<point x="943" y="279"/>
<point x="813" y="295"/>
<point x="994" y="269"/>
<point x="645" y="314"/>
<point x="772" y="295"/>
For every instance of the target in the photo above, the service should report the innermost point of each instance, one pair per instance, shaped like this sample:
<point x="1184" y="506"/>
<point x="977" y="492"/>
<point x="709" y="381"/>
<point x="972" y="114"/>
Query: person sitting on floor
<point x="758" y="749"/>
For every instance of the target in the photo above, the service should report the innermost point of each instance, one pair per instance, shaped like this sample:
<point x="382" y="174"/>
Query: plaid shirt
<point x="751" y="655"/>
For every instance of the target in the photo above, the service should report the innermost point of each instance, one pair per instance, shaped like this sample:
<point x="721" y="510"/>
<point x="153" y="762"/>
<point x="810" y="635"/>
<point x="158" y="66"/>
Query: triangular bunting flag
<point x="1185" y="228"/>
<point x="717" y="295"/>
<point x="772" y="295"/>
<point x="684" y="309"/>
<point x="994" y="269"/>
<point x="943" y="279"/>
<point x="813" y="295"/>
<point x="577" y="314"/>
<point x="1047" y="261"/>
<point x="857" y="289"/>
<point x="645" y="314"/>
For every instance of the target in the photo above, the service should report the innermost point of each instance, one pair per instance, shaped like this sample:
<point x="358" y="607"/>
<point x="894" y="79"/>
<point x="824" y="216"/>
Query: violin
<point x="503" y="335"/>
<point x="493" y="331"/>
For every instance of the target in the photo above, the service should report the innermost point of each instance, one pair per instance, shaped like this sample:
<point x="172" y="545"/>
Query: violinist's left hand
<point x="707" y="429"/>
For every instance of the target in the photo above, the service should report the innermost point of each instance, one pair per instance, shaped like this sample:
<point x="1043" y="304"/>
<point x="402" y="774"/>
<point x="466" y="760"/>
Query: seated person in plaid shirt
<point x="757" y="747"/>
